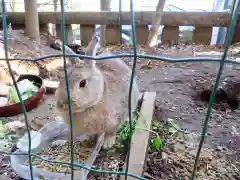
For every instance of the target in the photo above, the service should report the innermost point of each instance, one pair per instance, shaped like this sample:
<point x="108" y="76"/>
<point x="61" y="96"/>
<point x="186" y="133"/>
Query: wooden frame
<point x="140" y="138"/>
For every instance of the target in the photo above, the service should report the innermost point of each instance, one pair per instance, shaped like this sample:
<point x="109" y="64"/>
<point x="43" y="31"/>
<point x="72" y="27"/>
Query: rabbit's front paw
<point x="109" y="141"/>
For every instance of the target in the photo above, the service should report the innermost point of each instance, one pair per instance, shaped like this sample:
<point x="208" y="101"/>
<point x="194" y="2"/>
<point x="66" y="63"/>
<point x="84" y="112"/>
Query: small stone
<point x="209" y="134"/>
<point x="225" y="126"/>
<point x="164" y="155"/>
<point x="219" y="148"/>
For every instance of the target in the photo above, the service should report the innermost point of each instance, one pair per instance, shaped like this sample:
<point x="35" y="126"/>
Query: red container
<point x="30" y="103"/>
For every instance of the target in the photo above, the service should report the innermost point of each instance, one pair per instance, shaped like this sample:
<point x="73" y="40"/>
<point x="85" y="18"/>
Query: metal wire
<point x="135" y="56"/>
<point x="131" y="84"/>
<point x="67" y="85"/>
<point x="165" y="59"/>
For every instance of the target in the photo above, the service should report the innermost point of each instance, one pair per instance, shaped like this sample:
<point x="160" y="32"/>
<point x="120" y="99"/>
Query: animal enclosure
<point x="202" y="35"/>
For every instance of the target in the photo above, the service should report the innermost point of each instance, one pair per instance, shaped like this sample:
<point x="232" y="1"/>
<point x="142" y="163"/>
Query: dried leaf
<point x="2" y="132"/>
<point x="172" y="130"/>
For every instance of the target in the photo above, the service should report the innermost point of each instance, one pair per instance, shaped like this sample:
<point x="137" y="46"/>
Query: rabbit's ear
<point x="93" y="46"/>
<point x="91" y="50"/>
<point x="90" y="63"/>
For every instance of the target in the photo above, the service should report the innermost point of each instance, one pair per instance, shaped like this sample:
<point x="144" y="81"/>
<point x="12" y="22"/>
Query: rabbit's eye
<point x="83" y="83"/>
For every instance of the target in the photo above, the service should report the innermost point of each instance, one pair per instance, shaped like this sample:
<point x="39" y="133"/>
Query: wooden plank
<point x="141" y="18"/>
<point x="86" y="33"/>
<point x="170" y="35"/>
<point x="202" y="35"/>
<point x="112" y="34"/>
<point x="139" y="149"/>
<point x="142" y="32"/>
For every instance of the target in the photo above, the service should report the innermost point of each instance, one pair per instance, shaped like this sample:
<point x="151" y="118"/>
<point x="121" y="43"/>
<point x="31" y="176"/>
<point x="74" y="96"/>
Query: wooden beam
<point x="139" y="149"/>
<point x="141" y="18"/>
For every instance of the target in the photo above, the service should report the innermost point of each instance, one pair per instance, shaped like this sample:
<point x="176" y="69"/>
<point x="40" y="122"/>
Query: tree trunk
<point x="105" y="6"/>
<point x="152" y="38"/>
<point x="31" y="20"/>
<point x="13" y="5"/>
<point x="55" y="4"/>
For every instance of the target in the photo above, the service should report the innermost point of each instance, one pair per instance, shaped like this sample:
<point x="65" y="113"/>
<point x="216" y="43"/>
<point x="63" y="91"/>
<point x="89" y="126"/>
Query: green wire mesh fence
<point x="222" y="61"/>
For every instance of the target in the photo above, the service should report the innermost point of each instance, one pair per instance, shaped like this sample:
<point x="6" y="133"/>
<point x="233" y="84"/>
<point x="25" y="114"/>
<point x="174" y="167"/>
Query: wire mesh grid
<point x="135" y="56"/>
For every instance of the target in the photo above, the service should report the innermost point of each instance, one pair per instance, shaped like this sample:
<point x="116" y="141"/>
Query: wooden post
<point x="112" y="32"/>
<point x="170" y="35"/>
<point x="105" y="6"/>
<point x="202" y="35"/>
<point x="86" y="32"/>
<point x="236" y="34"/>
<point x="58" y="30"/>
<point x="142" y="34"/>
<point x="31" y="20"/>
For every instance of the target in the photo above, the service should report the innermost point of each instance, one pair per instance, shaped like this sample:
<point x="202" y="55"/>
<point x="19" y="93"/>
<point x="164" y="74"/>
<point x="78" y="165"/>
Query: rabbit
<point x="99" y="95"/>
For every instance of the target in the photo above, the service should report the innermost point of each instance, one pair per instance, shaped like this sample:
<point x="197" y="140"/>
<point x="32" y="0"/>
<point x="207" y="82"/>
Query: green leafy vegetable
<point x="25" y="95"/>
<point x="156" y="143"/>
<point x="26" y="88"/>
<point x="123" y="132"/>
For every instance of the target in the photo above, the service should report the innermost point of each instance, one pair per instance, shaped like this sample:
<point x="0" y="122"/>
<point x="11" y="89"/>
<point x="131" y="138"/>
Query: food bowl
<point x="30" y="103"/>
<point x="50" y="133"/>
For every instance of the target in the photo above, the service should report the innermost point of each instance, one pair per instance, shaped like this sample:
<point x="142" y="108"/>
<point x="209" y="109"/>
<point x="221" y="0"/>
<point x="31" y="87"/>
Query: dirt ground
<point x="176" y="86"/>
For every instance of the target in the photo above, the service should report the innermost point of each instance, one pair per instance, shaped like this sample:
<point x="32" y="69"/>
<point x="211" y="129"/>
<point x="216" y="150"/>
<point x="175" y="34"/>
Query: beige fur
<point x="102" y="105"/>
